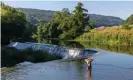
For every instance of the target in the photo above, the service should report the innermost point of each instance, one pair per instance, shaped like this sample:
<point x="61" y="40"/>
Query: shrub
<point x="126" y="26"/>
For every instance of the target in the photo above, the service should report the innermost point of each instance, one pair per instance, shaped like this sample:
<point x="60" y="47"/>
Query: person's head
<point x="89" y="60"/>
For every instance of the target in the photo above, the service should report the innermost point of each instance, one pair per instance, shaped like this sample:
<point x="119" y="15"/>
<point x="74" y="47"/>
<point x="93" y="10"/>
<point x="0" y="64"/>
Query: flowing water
<point x="115" y="65"/>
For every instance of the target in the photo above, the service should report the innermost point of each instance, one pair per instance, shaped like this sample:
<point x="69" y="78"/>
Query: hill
<point x="34" y="15"/>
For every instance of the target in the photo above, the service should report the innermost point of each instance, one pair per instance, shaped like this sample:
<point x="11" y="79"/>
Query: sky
<point x="122" y="9"/>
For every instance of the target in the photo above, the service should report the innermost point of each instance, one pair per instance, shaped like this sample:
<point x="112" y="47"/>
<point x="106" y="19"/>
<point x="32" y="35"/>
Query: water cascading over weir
<point x="64" y="52"/>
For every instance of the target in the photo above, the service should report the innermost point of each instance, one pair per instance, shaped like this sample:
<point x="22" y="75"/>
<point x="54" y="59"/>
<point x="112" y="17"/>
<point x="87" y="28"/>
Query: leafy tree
<point x="13" y="23"/>
<point x="28" y="32"/>
<point x="64" y="25"/>
<point x="74" y="25"/>
<point x="58" y="24"/>
<point x="130" y="20"/>
<point x="81" y="19"/>
<point x="128" y="23"/>
<point x="41" y="32"/>
<point x="90" y="26"/>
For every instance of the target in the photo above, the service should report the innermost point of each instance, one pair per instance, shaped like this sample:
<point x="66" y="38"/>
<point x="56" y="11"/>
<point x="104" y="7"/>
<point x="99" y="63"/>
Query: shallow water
<point x="106" y="66"/>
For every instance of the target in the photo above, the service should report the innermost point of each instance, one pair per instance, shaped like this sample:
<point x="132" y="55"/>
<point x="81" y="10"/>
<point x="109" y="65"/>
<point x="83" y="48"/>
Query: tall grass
<point x="110" y="35"/>
<point x="11" y="56"/>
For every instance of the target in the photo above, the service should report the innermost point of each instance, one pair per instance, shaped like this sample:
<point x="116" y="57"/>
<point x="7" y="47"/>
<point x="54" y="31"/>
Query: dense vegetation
<point x="129" y="20"/>
<point x="128" y="23"/>
<point x="110" y="35"/>
<point x="11" y="56"/>
<point x="116" y="35"/>
<point x="60" y="24"/>
<point x="64" y="25"/>
<point x="35" y="15"/>
<point x="14" y="25"/>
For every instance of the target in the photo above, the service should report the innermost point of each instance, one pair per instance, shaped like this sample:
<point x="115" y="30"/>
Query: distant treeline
<point x="35" y="15"/>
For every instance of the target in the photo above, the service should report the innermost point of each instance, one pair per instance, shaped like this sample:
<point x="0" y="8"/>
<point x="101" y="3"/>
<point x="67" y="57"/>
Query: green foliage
<point x="65" y="25"/>
<point x="80" y="20"/>
<point x="41" y="31"/>
<point x="13" y="23"/>
<point x="14" y="26"/>
<point x="126" y="26"/>
<point x="11" y="56"/>
<point x="130" y="20"/>
<point x="90" y="26"/>
<point x="110" y="35"/>
<point x="128" y="23"/>
<point x="28" y="32"/>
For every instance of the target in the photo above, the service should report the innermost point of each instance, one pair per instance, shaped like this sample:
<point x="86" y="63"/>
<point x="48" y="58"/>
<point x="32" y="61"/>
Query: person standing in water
<point x="89" y="61"/>
<point x="88" y="74"/>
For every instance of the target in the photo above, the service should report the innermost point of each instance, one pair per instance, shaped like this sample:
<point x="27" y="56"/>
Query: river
<point x="112" y="63"/>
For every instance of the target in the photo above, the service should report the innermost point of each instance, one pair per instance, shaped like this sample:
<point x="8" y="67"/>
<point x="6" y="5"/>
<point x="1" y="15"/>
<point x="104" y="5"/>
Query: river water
<point x="115" y="65"/>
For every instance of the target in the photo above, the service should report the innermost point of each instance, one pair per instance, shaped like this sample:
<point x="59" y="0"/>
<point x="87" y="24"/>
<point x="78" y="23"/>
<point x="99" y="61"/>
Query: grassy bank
<point x="11" y="56"/>
<point x="7" y="69"/>
<point x="110" y="35"/>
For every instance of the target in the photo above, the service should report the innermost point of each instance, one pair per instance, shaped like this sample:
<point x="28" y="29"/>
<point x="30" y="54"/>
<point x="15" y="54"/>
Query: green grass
<point x="11" y="56"/>
<point x="110" y="35"/>
<point x="7" y="69"/>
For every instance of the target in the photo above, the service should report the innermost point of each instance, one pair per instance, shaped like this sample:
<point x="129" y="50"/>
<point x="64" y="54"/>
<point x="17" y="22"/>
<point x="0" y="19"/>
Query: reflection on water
<point x="106" y="66"/>
<point x="89" y="75"/>
<point x="77" y="69"/>
<point x="128" y="49"/>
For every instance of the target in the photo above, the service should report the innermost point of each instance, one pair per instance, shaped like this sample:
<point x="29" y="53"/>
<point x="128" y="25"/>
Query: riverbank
<point x="7" y="69"/>
<point x="110" y="35"/>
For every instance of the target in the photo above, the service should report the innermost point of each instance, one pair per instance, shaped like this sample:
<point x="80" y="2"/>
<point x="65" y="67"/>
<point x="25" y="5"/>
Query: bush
<point x="126" y="26"/>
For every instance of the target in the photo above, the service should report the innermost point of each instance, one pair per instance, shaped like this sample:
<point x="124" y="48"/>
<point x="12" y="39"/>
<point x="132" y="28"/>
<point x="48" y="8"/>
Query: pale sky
<point x="122" y="9"/>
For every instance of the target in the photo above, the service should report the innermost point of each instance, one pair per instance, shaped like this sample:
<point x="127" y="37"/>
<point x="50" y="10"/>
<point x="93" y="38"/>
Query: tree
<point x="90" y="26"/>
<point x="128" y="23"/>
<point x="81" y="19"/>
<point x="28" y="32"/>
<point x="58" y="24"/>
<point x="130" y="20"/>
<point x="41" y="32"/>
<point x="13" y="23"/>
<point x="65" y="25"/>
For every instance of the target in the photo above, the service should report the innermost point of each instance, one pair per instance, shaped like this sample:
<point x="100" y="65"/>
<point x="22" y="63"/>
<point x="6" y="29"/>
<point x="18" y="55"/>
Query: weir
<point x="64" y="52"/>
